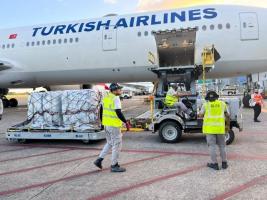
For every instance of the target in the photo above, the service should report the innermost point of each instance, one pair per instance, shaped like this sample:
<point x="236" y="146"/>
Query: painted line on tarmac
<point x="50" y="146"/>
<point x="147" y="183"/>
<point x="123" y="150"/>
<point x="35" y="155"/>
<point x="240" y="188"/>
<point x="68" y="178"/>
<point x="47" y="165"/>
<point x="232" y="155"/>
<point x="12" y="150"/>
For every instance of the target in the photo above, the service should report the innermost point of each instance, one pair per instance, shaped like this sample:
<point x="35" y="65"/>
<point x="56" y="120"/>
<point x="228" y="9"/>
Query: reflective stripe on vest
<point x="110" y="117"/>
<point x="170" y="100"/>
<point x="214" y="119"/>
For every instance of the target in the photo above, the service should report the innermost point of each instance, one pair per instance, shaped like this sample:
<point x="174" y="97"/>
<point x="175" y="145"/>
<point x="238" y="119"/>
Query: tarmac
<point x="64" y="170"/>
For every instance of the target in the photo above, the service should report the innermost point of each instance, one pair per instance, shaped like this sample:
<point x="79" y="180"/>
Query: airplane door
<point x="249" y="26"/>
<point x="109" y="39"/>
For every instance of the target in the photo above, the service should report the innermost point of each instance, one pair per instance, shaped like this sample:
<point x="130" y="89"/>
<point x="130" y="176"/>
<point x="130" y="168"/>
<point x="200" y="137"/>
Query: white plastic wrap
<point x="80" y="109"/>
<point x="52" y="109"/>
<point x="68" y="110"/>
<point x="35" y="110"/>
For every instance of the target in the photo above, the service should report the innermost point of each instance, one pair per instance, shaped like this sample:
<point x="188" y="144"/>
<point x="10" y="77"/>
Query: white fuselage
<point x="89" y="53"/>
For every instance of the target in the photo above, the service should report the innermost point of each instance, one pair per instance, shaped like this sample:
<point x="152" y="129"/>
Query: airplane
<point x="126" y="48"/>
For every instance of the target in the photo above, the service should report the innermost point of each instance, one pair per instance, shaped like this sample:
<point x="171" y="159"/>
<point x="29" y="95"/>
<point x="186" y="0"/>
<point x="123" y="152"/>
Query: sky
<point x="16" y="13"/>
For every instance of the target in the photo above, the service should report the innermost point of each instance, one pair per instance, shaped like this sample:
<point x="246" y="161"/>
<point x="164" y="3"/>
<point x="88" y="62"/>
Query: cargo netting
<point x="75" y="110"/>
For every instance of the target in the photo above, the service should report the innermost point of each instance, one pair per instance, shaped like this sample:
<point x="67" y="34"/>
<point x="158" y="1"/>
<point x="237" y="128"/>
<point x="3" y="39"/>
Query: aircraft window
<point x="8" y="46"/>
<point x="27" y="44"/>
<point x="48" y="42"/>
<point x="59" y="41"/>
<point x="139" y="34"/>
<point x="76" y="39"/>
<point x="212" y="27"/>
<point x="228" y="26"/>
<point x="71" y="40"/>
<point x="204" y="28"/>
<point x="33" y="44"/>
<point x="43" y="42"/>
<point x="146" y="33"/>
<point x="38" y="43"/>
<point x="220" y="26"/>
<point x="54" y="41"/>
<point x="65" y="40"/>
<point x="245" y="25"/>
<point x="3" y="46"/>
<point x="13" y="45"/>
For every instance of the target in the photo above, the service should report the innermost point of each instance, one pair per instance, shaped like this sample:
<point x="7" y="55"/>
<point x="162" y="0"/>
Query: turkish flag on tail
<point x="13" y="36"/>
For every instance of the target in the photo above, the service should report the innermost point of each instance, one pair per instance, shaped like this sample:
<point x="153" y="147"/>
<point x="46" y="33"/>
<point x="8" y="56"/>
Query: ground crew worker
<point x="214" y="112"/>
<point x="1" y="108"/>
<point x="172" y="100"/>
<point x="258" y="101"/>
<point x="112" y="120"/>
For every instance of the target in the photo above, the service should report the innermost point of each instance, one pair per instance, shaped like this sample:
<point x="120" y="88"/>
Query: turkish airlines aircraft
<point x="120" y="48"/>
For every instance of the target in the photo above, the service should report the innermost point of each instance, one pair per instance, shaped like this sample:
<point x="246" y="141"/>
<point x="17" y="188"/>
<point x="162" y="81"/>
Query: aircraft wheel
<point x="13" y="103"/>
<point x="5" y="103"/>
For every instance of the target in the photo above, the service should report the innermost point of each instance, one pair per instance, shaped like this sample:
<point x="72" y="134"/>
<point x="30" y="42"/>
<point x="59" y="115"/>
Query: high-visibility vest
<point x="214" y="118"/>
<point x="170" y="100"/>
<point x="110" y="117"/>
<point x="257" y="99"/>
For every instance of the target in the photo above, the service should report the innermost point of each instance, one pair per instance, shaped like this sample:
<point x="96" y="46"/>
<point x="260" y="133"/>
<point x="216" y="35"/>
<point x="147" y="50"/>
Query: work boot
<point x="256" y="120"/>
<point x="214" y="166"/>
<point x="117" y="168"/>
<point x="98" y="163"/>
<point x="224" y="165"/>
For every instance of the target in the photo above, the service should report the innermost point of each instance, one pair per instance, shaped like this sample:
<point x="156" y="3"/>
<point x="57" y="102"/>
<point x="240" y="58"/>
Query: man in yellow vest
<point x="214" y="112"/>
<point x="172" y="100"/>
<point x="112" y="120"/>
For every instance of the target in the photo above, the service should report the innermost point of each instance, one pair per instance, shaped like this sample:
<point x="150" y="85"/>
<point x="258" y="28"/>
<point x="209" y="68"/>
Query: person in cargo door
<point x="112" y="119"/>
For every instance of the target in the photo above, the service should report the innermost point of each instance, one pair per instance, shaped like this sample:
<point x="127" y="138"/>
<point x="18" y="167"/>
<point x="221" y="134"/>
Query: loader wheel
<point x="229" y="137"/>
<point x="170" y="132"/>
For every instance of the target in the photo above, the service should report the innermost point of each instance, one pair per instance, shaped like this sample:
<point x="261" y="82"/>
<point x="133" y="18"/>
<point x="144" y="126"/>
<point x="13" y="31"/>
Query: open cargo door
<point x="176" y="47"/>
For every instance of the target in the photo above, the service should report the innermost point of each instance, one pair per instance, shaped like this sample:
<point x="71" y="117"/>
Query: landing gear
<point x="13" y="103"/>
<point x="7" y="103"/>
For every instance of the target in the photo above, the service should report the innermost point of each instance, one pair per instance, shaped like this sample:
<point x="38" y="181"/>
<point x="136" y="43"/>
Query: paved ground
<point x="64" y="170"/>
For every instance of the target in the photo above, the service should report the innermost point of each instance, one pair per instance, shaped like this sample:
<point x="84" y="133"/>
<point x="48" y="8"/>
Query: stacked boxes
<point x="76" y="110"/>
<point x="80" y="109"/>
<point x="35" y="110"/>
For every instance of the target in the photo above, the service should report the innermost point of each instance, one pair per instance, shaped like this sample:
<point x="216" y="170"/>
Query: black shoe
<point x="98" y="163"/>
<point x="214" y="166"/>
<point x="257" y="120"/>
<point x="224" y="165"/>
<point x="117" y="168"/>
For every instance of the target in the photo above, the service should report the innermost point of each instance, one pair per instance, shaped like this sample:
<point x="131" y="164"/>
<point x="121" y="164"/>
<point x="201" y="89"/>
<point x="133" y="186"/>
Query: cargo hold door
<point x="249" y="26"/>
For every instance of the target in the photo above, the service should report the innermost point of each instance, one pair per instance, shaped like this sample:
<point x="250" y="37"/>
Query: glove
<point x="128" y="126"/>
